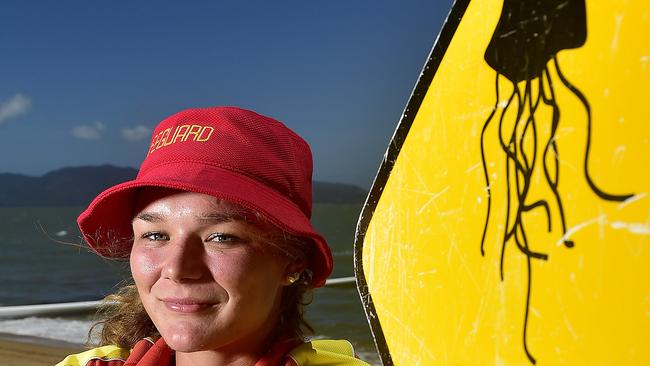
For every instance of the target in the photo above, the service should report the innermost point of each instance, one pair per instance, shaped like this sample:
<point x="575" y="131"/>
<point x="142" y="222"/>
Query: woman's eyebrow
<point x="150" y="217"/>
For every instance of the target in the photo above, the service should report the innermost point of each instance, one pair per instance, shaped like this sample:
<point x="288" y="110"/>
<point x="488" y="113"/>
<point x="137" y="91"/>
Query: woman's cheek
<point x="144" y="265"/>
<point x="232" y="268"/>
<point x="244" y="269"/>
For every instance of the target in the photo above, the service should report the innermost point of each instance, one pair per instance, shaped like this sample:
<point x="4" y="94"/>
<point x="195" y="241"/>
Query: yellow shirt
<point x="314" y="353"/>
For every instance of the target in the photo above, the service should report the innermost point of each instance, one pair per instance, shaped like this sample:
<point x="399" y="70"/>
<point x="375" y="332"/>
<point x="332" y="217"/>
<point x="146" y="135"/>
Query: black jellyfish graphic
<point x="523" y="49"/>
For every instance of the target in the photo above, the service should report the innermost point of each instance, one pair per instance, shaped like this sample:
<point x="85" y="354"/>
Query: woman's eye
<point x="222" y="238"/>
<point x="155" y="236"/>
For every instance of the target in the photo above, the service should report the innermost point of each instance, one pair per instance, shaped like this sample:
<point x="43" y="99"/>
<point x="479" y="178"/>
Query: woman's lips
<point x="185" y="305"/>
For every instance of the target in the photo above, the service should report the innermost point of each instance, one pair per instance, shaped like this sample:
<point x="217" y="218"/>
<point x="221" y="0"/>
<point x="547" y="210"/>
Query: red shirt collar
<point x="148" y="353"/>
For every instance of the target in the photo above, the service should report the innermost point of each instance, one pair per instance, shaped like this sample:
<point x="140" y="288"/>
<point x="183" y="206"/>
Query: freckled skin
<point x="233" y="280"/>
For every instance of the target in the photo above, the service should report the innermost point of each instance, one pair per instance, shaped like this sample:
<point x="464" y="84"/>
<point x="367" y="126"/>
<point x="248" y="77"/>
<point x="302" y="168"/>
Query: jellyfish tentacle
<point x="502" y="142"/>
<point x="526" y="247"/>
<point x="507" y="165"/>
<point x="553" y="182"/>
<point x="600" y="193"/>
<point x="524" y="240"/>
<point x="555" y="119"/>
<point x="505" y="232"/>
<point x="506" y="147"/>
<point x="526" y="171"/>
<point x="536" y="204"/>
<point x="524" y="187"/>
<point x="527" y="163"/>
<point x="521" y="106"/>
<point x="518" y="225"/>
<point x="532" y="106"/>
<point x="511" y="156"/>
<point x="547" y="209"/>
<point x="527" y="312"/>
<point x="525" y="333"/>
<point x="522" y="137"/>
<point x="542" y="202"/>
<point x="485" y="168"/>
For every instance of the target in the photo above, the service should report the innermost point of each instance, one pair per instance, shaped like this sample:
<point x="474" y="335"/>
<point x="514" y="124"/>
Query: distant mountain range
<point x="79" y="185"/>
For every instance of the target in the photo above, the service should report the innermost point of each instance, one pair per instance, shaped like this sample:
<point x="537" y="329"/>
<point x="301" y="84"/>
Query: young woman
<point x="217" y="230"/>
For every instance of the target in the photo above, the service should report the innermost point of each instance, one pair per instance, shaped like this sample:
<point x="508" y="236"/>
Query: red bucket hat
<point x="230" y="153"/>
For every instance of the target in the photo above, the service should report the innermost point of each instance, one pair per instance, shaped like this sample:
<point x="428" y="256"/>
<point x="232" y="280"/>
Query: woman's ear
<point x="294" y="272"/>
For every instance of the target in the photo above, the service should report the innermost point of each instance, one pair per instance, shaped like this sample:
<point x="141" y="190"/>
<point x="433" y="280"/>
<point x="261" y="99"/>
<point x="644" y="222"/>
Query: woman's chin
<point x="185" y="342"/>
<point x="184" y="338"/>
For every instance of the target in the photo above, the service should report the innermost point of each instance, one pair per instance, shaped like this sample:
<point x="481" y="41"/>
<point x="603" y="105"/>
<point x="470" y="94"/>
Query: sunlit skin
<point x="206" y="276"/>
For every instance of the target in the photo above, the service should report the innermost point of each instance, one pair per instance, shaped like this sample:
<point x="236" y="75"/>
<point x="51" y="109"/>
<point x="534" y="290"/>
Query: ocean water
<point x="43" y="260"/>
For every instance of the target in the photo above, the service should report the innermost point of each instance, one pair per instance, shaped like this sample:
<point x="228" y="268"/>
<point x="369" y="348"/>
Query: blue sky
<point x="83" y="83"/>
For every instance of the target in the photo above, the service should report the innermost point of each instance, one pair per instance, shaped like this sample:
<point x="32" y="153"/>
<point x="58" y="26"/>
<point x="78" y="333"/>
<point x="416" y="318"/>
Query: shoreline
<point x="22" y="350"/>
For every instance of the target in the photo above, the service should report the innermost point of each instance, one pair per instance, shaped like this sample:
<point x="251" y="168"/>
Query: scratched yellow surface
<point x="438" y="300"/>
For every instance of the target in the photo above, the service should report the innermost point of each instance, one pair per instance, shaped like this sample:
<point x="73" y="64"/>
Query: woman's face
<point x="205" y="276"/>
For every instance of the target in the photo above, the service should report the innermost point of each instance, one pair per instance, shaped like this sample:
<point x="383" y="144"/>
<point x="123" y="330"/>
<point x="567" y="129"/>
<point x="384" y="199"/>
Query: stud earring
<point x="293" y="278"/>
<point x="307" y="277"/>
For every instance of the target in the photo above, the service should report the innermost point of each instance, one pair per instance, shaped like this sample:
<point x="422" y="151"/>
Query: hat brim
<point x="106" y="223"/>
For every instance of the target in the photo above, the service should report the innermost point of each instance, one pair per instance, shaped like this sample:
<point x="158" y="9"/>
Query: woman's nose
<point x="184" y="260"/>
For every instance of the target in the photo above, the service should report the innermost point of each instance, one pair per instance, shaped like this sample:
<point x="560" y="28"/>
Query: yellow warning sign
<point x="510" y="221"/>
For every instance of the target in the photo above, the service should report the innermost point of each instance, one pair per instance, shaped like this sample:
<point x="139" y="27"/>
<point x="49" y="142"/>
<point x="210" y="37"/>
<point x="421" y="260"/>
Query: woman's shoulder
<point x="325" y="352"/>
<point x="110" y="355"/>
<point x="104" y="356"/>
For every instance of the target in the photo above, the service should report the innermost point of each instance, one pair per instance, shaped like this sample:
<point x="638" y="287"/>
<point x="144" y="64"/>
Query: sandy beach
<point x="18" y="350"/>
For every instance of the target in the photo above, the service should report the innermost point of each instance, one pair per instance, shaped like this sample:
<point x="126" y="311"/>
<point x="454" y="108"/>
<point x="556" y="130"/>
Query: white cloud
<point x="137" y="133"/>
<point x="88" y="132"/>
<point x="14" y="107"/>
